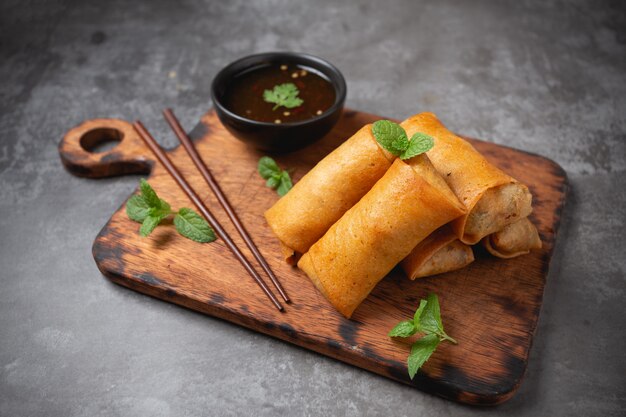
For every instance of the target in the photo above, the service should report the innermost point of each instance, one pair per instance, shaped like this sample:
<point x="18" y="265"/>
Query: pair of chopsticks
<point x="219" y="194"/>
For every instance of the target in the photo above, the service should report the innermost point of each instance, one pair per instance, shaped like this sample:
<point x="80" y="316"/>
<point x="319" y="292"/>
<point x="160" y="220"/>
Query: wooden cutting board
<point x="490" y="307"/>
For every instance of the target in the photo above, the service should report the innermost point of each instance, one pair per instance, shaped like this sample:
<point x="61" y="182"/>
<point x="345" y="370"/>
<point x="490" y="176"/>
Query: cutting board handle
<point x="129" y="156"/>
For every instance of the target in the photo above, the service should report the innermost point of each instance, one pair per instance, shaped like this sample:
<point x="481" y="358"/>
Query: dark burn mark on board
<point x="170" y="292"/>
<point x="75" y="168"/>
<point x="269" y="325"/>
<point x="107" y="250"/>
<point x="347" y="331"/>
<point x="217" y="298"/>
<point x="148" y="278"/>
<point x="557" y="170"/>
<point x="333" y="344"/>
<point x="288" y="330"/>
<point x="371" y="354"/>
<point x="398" y="371"/>
<point x="108" y="254"/>
<point x="455" y="383"/>
<point x="513" y="307"/>
<point x="515" y="368"/>
<point x="545" y="265"/>
<point x="455" y="377"/>
<point x="104" y="251"/>
<point x="423" y="382"/>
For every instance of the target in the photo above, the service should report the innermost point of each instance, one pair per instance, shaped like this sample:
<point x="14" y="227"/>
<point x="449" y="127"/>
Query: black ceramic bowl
<point x="283" y="137"/>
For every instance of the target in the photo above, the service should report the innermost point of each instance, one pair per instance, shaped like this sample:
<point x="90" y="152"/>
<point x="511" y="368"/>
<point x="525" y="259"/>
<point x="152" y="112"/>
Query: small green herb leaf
<point x="276" y="178"/>
<point x="419" y="143"/>
<point x="273" y="181"/>
<point x="156" y="206"/>
<point x="427" y="320"/>
<point x="162" y="210"/>
<point x="418" y="314"/>
<point x="430" y="319"/>
<point x="150" y="210"/>
<point x="149" y="224"/>
<point x="149" y="195"/>
<point x="191" y="225"/>
<point x="137" y="208"/>
<point x="432" y="316"/>
<point x="420" y="352"/>
<point x="285" y="184"/>
<point x="400" y="144"/>
<point x="390" y="135"/>
<point x="285" y="95"/>
<point x="268" y="168"/>
<point x="405" y="328"/>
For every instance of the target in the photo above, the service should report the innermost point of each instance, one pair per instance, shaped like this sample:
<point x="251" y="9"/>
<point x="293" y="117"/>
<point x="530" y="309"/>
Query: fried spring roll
<point x="516" y="239"/>
<point x="492" y="198"/>
<point x="328" y="190"/>
<point x="405" y="206"/>
<point x="440" y="252"/>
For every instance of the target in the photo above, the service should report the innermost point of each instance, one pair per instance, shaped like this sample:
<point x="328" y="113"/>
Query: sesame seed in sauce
<point x="286" y="113"/>
<point x="283" y="67"/>
<point x="319" y="112"/>
<point x="277" y="121"/>
<point x="294" y="75"/>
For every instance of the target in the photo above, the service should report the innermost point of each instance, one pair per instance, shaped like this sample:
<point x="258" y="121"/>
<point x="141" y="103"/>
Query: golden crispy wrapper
<point x="405" y="206"/>
<point x="328" y="190"/>
<point x="493" y="199"/>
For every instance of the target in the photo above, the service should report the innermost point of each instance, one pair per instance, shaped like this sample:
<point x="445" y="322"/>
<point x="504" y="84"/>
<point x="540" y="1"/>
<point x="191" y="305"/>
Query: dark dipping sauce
<point x="244" y="96"/>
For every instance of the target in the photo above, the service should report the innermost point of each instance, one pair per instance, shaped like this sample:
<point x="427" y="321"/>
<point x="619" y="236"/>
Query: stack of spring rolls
<point x="361" y="211"/>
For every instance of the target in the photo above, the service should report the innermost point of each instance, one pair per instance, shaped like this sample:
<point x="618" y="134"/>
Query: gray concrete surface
<point x="547" y="77"/>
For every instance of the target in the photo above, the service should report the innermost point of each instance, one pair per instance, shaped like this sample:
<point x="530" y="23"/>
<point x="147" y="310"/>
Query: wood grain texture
<point x="491" y="307"/>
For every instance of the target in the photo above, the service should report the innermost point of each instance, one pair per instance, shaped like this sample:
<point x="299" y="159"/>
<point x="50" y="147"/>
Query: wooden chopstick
<point x="197" y="201"/>
<point x="172" y="120"/>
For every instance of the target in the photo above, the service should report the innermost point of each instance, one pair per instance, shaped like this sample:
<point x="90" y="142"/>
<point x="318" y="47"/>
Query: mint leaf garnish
<point x="419" y="143"/>
<point x="191" y="225"/>
<point x="268" y="167"/>
<point x="400" y="144"/>
<point x="426" y="320"/>
<point x="137" y="208"/>
<point x="162" y="210"/>
<point x="392" y="137"/>
<point x="273" y="181"/>
<point x="150" y="210"/>
<point x="285" y="95"/>
<point x="403" y="329"/>
<point x="278" y="179"/>
<point x="149" y="195"/>
<point x="418" y="313"/>
<point x="420" y="352"/>
<point x="285" y="184"/>
<point x="149" y="224"/>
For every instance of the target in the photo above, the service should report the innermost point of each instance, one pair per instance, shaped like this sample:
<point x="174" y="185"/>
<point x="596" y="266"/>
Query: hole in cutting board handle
<point x="101" y="140"/>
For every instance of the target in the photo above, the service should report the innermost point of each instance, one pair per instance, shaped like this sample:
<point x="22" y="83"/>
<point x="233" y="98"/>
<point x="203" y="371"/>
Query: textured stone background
<point x="546" y="77"/>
